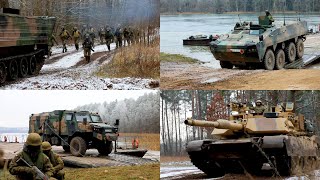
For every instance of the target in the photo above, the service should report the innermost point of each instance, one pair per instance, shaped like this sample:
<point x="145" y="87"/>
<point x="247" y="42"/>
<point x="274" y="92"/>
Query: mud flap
<point x="261" y="50"/>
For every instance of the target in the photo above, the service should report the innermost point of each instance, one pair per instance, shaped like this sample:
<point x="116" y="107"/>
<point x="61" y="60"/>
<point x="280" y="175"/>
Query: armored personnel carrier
<point x="279" y="141"/>
<point x="75" y="131"/>
<point x="24" y="43"/>
<point x="262" y="45"/>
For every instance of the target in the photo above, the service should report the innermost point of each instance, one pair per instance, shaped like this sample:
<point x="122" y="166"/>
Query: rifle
<point x="91" y="49"/>
<point x="40" y="174"/>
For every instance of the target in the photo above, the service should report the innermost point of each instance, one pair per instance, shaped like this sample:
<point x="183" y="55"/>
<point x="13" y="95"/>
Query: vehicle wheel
<point x="291" y="52"/>
<point x="66" y="148"/>
<point x="280" y="59"/>
<point x="300" y="48"/>
<point x="3" y="73"/>
<point x="23" y="67"/>
<point x="226" y="65"/>
<point x="13" y="69"/>
<point x="32" y="65"/>
<point x="105" y="149"/>
<point x="78" y="146"/>
<point x="269" y="60"/>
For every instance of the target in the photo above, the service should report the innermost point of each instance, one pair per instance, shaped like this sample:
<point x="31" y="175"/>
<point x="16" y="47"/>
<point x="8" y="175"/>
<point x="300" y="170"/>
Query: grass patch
<point x="137" y="60"/>
<point x="146" y="140"/>
<point x="164" y="57"/>
<point x="143" y="172"/>
<point x="174" y="158"/>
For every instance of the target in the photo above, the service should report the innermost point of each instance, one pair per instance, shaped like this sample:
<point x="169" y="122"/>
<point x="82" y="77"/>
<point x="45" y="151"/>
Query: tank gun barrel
<point x="219" y="124"/>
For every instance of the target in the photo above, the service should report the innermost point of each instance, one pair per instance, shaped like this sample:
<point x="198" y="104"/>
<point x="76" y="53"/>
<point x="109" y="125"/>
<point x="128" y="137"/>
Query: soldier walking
<point x="64" y="35"/>
<point x="76" y="37"/>
<point x="109" y="37"/>
<point x="92" y="34"/>
<point x="126" y="35"/>
<point x="55" y="160"/>
<point x="25" y="165"/>
<point x="87" y="47"/>
<point x="118" y="35"/>
<point x="102" y="34"/>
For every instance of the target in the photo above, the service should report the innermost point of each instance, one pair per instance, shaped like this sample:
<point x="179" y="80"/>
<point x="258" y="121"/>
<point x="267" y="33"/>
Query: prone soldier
<point x="76" y="37"/>
<point x="87" y="47"/>
<point x="55" y="160"/>
<point x="64" y="35"/>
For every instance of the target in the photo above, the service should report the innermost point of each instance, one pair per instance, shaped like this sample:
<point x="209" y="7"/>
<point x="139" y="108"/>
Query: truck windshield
<point x="80" y="117"/>
<point x="95" y="118"/>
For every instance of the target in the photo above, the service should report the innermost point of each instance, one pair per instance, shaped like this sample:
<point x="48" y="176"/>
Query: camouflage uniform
<point x="33" y="155"/>
<point x="102" y="34"/>
<point x="269" y="16"/>
<point x="92" y="35"/>
<point x="109" y="38"/>
<point x="126" y="35"/>
<point x="118" y="35"/>
<point x="76" y="37"/>
<point x="87" y="48"/>
<point x="260" y="108"/>
<point x="64" y="35"/>
<point x="55" y="160"/>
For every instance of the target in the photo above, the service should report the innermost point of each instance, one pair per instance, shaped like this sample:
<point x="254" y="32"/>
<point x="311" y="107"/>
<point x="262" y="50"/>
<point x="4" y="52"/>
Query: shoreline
<point x="233" y="12"/>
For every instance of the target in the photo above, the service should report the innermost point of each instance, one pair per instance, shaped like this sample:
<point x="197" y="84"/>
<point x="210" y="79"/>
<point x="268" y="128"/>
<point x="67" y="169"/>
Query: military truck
<point x="278" y="142"/>
<point x="24" y="43"/>
<point x="261" y="45"/>
<point x="75" y="131"/>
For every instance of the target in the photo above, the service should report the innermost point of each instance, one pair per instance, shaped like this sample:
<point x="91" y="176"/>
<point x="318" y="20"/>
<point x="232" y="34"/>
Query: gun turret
<point x="219" y="124"/>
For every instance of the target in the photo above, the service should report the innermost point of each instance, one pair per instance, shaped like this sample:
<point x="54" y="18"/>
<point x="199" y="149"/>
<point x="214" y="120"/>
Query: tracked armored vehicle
<point x="24" y="43"/>
<point x="262" y="45"/>
<point x="75" y="131"/>
<point x="277" y="142"/>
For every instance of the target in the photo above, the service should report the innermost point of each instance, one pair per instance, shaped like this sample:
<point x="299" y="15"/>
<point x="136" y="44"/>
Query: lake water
<point x="175" y="28"/>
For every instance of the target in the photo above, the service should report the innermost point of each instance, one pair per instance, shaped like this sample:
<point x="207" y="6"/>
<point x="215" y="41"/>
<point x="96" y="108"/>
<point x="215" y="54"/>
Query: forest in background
<point x="225" y="6"/>
<point x="136" y="116"/>
<point x="176" y="106"/>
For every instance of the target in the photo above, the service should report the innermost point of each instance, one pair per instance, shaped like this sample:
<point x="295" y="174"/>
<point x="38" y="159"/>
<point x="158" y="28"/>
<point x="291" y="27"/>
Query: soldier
<point x="55" y="160"/>
<point x="25" y="164"/>
<point x="92" y="34"/>
<point x="64" y="35"/>
<point x="118" y="35"/>
<point x="109" y="37"/>
<point x="269" y="16"/>
<point x="76" y="36"/>
<point x="87" y="47"/>
<point x="126" y="35"/>
<point x="102" y="34"/>
<point x="259" y="109"/>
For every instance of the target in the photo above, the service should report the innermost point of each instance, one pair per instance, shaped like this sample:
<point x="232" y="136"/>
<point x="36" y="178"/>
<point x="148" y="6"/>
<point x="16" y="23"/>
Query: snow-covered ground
<point x="63" y="74"/>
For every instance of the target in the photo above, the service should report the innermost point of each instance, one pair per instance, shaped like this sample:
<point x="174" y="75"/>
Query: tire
<point x="280" y="59"/>
<point x="299" y="48"/>
<point x="23" y="67"/>
<point x="32" y="65"/>
<point x="13" y="70"/>
<point x="226" y="65"/>
<point x="78" y="146"/>
<point x="291" y="52"/>
<point x="105" y="149"/>
<point x="66" y="148"/>
<point x="3" y="73"/>
<point x="269" y="60"/>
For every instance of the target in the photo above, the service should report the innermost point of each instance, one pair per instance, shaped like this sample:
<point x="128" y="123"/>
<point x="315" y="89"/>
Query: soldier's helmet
<point x="33" y="139"/>
<point x="46" y="146"/>
<point x="258" y="101"/>
<point x="75" y="28"/>
<point x="267" y="12"/>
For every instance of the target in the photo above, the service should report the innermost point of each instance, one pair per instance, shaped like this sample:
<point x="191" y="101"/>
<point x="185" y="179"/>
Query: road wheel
<point x="3" y="73"/>
<point x="280" y="59"/>
<point x="300" y="48"/>
<point x="291" y="52"/>
<point x="105" y="149"/>
<point x="269" y="60"/>
<point x="23" y="67"/>
<point x="78" y="146"/>
<point x="13" y="69"/>
<point x="32" y="65"/>
<point x="66" y="148"/>
<point x="226" y="65"/>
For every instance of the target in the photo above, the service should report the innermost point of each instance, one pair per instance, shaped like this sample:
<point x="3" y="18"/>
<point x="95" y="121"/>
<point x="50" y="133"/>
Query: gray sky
<point x="17" y="106"/>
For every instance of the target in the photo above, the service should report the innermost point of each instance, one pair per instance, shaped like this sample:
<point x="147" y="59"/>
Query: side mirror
<point x="261" y="38"/>
<point x="85" y="121"/>
<point x="117" y="122"/>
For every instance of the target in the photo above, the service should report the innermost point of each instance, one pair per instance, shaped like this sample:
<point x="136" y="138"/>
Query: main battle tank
<point x="24" y="43"/>
<point x="278" y="142"/>
<point x="263" y="45"/>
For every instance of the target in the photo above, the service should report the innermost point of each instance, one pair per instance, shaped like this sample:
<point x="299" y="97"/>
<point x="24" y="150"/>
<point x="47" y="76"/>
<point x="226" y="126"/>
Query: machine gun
<point x="39" y="174"/>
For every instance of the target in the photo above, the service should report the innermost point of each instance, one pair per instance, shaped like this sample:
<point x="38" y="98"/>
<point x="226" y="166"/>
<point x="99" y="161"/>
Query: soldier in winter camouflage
<point x="87" y="47"/>
<point x="76" y="37"/>
<point x="33" y="155"/>
<point x="64" y="35"/>
<point x="55" y="160"/>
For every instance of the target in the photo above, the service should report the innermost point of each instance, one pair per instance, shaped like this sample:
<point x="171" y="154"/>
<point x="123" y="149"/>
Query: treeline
<point x="224" y="6"/>
<point x="136" y="116"/>
<point x="176" y="106"/>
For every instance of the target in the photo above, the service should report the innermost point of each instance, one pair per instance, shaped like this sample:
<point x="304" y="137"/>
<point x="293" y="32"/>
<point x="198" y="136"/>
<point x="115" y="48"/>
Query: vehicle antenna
<point x="239" y="18"/>
<point x="284" y="16"/>
<point x="299" y="10"/>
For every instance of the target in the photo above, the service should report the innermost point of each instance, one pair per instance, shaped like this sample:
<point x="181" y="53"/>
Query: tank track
<point x="39" y="59"/>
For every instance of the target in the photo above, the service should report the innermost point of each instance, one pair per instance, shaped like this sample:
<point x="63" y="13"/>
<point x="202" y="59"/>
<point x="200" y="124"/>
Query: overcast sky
<point x="17" y="106"/>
